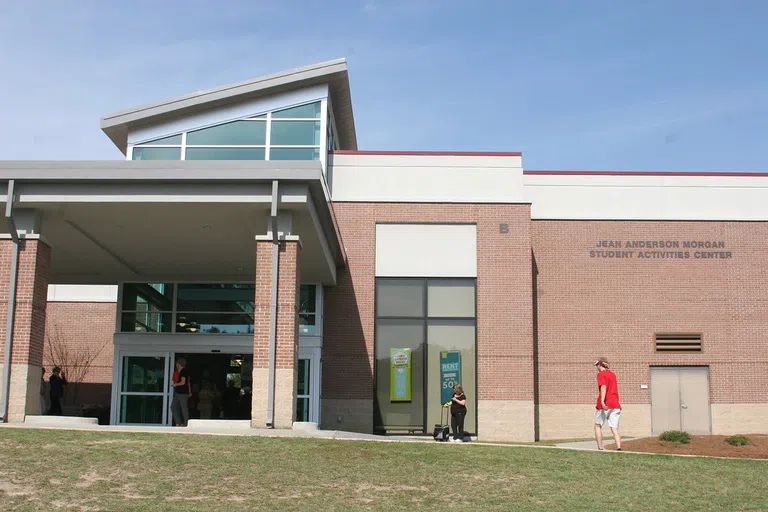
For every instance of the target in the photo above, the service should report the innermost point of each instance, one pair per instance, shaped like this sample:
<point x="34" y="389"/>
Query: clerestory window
<point x="286" y="134"/>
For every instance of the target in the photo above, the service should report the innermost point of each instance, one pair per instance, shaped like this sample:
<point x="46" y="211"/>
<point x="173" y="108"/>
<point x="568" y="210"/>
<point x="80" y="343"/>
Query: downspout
<point x="11" y="310"/>
<point x="273" y="309"/>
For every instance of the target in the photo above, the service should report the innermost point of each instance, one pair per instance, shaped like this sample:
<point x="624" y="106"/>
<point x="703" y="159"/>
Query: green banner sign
<point x="400" y="374"/>
<point x="450" y="373"/>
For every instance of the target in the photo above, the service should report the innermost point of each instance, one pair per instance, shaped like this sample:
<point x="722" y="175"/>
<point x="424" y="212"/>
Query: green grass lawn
<point x="68" y="470"/>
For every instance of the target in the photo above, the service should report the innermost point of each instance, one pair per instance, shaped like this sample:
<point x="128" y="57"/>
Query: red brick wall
<point x="287" y="305"/>
<point x="590" y="307"/>
<point x="31" y="299"/>
<point x="504" y="315"/>
<point x="87" y="327"/>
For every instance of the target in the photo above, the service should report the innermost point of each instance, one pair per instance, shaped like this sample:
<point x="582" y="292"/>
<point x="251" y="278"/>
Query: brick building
<point x="305" y="280"/>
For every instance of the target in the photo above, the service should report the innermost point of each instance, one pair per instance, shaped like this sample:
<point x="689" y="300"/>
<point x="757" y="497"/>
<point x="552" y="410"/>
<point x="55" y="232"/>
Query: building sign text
<point x="661" y="249"/>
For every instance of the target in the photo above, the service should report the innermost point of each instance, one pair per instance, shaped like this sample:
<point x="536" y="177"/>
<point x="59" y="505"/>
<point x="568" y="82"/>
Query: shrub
<point x="96" y="411"/>
<point x="676" y="436"/>
<point x="737" y="440"/>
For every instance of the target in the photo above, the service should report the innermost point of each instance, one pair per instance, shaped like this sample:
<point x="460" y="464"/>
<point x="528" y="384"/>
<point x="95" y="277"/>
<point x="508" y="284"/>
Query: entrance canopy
<point x="148" y="221"/>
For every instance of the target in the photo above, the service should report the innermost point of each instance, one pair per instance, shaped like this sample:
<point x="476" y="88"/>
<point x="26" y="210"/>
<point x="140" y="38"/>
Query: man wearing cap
<point x="608" y="406"/>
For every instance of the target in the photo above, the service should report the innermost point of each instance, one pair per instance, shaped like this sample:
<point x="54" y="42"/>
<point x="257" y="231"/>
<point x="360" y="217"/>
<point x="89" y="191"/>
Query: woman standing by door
<point x="458" y="413"/>
<point x="180" y="402"/>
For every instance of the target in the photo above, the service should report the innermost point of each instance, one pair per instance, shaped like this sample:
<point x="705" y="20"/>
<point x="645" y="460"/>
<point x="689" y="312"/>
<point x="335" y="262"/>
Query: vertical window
<point x="308" y="310"/>
<point x="434" y="321"/>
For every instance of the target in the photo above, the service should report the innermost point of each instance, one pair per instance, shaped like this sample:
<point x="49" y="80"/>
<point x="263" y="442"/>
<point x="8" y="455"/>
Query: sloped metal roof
<point x="333" y="73"/>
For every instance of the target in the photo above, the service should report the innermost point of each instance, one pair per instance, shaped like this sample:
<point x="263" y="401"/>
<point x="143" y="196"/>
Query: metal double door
<point x="680" y="399"/>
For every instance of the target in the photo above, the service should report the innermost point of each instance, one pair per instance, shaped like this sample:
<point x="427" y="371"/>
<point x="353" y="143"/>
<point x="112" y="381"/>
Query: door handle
<point x="684" y="406"/>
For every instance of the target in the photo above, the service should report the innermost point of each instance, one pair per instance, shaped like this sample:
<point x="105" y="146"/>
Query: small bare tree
<point x="75" y="362"/>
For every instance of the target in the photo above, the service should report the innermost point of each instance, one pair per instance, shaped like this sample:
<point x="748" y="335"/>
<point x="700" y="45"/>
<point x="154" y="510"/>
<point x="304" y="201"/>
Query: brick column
<point x="287" y="339"/>
<point x="29" y="322"/>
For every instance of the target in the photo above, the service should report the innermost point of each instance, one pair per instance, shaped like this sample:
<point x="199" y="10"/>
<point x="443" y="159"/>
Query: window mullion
<point x="173" y="306"/>
<point x="268" y="140"/>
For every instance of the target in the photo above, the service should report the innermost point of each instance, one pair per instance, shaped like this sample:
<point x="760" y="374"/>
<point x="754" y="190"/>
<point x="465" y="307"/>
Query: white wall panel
<point x="426" y="250"/>
<point x="650" y="197"/>
<point x="81" y="293"/>
<point x="427" y="178"/>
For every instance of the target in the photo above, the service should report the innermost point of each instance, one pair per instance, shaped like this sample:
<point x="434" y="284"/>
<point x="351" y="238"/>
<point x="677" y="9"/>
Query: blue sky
<point x="573" y="84"/>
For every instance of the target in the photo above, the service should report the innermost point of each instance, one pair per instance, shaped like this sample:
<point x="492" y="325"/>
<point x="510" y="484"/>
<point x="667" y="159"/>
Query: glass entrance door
<point x="308" y="385"/>
<point x="303" y="388"/>
<point x="143" y="396"/>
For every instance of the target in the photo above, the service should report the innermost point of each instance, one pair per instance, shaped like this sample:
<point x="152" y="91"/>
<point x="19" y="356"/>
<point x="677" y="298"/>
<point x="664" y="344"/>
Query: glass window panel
<point x="453" y="336"/>
<point x="262" y="116"/>
<point x="308" y="298"/>
<point x="149" y="153"/>
<point x="303" y="377"/>
<point x="214" y="323"/>
<point x="235" y="133"/>
<point x="141" y="409"/>
<point x="400" y="297"/>
<point x="405" y="333"/>
<point x="300" y="133"/>
<point x="212" y="298"/>
<point x="451" y="298"/>
<point x="224" y="154"/>
<point x="145" y="322"/>
<point x="302" y="409"/>
<point x="310" y="111"/>
<point x="143" y="374"/>
<point x="147" y="297"/>
<point x="173" y="140"/>
<point x="294" y="154"/>
<point x="307" y="323"/>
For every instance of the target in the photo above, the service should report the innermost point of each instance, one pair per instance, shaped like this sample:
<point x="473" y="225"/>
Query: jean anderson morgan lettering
<point x="608" y="243"/>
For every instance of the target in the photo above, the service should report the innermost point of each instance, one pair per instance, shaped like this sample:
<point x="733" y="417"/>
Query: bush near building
<point x="676" y="436"/>
<point x="737" y="440"/>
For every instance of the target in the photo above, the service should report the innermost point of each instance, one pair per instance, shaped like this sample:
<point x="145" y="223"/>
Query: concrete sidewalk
<point x="62" y="424"/>
<point x="580" y="445"/>
<point x="243" y="429"/>
<point x="591" y="445"/>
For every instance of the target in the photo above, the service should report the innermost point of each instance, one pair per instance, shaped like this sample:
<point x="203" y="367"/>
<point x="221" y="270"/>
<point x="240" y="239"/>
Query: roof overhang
<point x="334" y="73"/>
<point x="99" y="217"/>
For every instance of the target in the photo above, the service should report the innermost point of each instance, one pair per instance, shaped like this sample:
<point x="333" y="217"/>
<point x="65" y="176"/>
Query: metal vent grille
<point x="678" y="343"/>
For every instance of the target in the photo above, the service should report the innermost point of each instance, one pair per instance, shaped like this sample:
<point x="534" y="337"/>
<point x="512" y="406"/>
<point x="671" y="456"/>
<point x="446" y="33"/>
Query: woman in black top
<point x="458" y="412"/>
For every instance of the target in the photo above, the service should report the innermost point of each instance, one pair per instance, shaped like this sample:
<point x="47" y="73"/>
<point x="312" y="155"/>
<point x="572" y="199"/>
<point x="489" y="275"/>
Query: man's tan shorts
<point x="612" y="415"/>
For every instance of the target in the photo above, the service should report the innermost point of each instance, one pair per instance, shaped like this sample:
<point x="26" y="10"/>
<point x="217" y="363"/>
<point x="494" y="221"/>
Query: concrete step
<point x="305" y="426"/>
<point x="59" y="421"/>
<point x="219" y="424"/>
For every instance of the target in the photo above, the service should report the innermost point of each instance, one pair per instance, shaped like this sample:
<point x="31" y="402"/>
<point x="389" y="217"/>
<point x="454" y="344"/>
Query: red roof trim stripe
<point x="644" y="173"/>
<point x="428" y="153"/>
